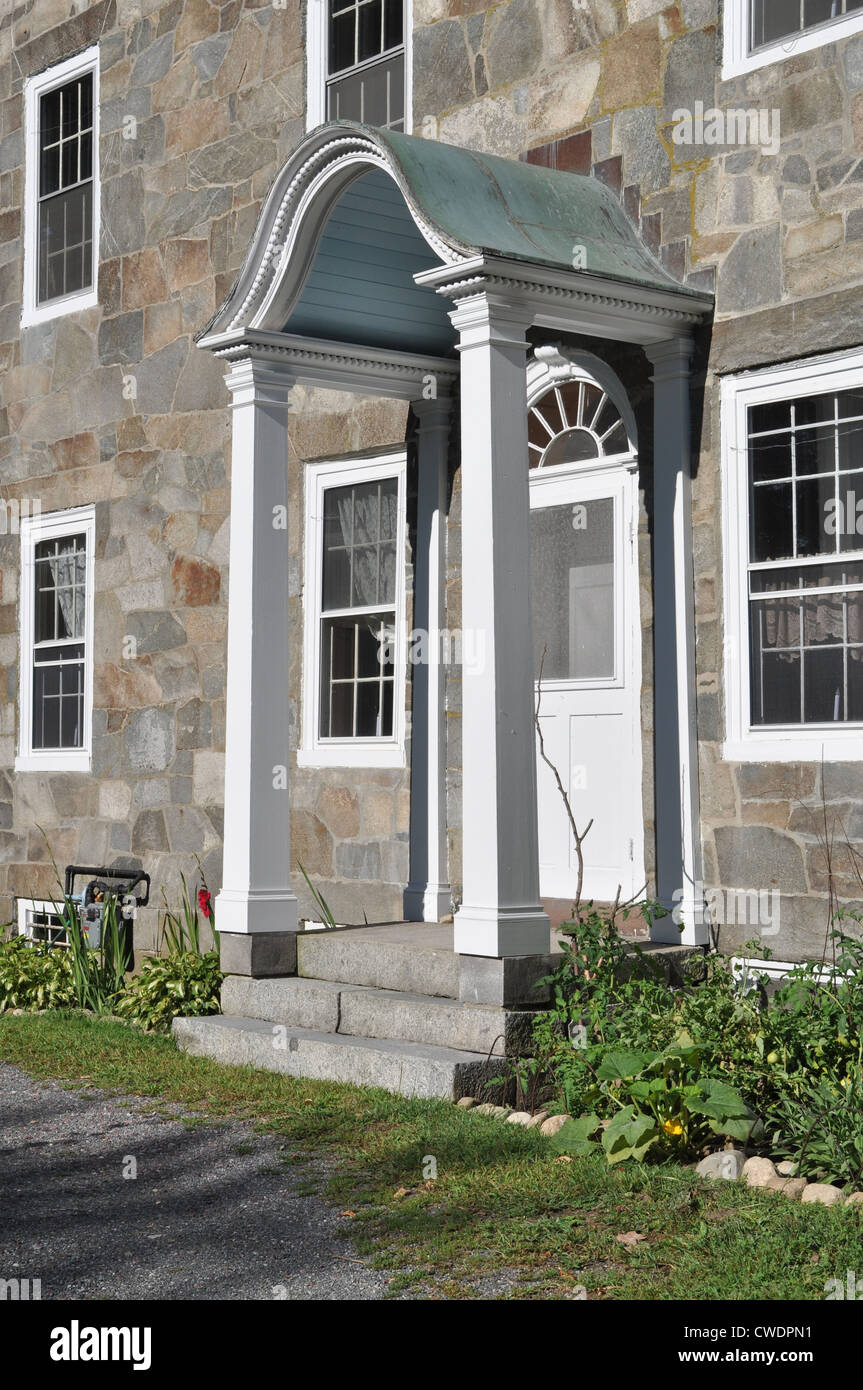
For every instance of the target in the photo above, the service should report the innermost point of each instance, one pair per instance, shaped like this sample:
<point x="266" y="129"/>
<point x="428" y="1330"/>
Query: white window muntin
<point x="348" y="752"/>
<point x="840" y="741"/>
<point x="51" y="929"/>
<point x="739" y="57"/>
<point x="317" y="65"/>
<point x="34" y="89"/>
<point x="54" y="526"/>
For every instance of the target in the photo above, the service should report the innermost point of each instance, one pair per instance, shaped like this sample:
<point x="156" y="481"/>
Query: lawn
<point x="502" y="1203"/>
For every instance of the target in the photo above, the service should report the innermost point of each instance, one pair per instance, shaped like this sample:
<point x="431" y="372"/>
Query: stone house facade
<point x="116" y="427"/>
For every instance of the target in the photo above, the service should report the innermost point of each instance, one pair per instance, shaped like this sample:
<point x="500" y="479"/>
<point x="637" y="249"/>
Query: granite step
<point x="404" y="1068"/>
<point x="330" y="1006"/>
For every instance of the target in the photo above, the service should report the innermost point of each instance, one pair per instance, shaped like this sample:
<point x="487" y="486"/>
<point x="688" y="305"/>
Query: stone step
<point x="405" y="1068"/>
<point x="328" y="1006"/>
<point x="414" y="957"/>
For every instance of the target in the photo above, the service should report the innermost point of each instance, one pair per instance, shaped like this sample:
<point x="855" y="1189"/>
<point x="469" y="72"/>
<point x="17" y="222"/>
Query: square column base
<point x="484" y="932"/>
<point x="247" y="912"/>
<point x="427" y="902"/>
<point x="261" y="955"/>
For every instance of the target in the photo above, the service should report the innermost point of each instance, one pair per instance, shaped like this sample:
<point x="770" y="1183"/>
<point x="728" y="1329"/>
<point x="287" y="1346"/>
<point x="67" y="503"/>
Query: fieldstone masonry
<point x="216" y="90"/>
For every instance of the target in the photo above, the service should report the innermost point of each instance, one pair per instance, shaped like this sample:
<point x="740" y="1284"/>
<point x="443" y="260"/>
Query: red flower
<point x="204" y="901"/>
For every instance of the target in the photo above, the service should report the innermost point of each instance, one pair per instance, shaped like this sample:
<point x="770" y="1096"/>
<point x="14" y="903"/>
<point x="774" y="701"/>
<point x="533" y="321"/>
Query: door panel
<point x="584" y="591"/>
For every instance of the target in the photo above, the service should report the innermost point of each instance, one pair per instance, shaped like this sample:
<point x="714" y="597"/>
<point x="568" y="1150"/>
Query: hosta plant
<point x="33" y="976"/>
<point x="183" y="983"/>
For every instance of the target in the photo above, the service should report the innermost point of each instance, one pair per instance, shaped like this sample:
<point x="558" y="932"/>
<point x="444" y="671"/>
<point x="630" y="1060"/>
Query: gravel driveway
<point x="213" y="1212"/>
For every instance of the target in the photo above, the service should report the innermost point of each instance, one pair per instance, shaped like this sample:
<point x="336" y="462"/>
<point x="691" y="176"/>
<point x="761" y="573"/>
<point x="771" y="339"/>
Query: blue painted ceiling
<point x="360" y="288"/>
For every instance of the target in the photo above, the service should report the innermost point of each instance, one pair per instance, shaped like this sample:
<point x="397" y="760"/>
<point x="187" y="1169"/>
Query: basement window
<point x="56" y="687"/>
<point x="61" y="247"/>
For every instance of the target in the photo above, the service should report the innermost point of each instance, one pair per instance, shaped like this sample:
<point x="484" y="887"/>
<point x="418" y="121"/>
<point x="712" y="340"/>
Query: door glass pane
<point x="572" y="576"/>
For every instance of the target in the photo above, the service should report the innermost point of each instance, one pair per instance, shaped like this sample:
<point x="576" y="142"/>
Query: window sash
<point x="55" y="709"/>
<point x="805" y="639"/>
<point x="810" y="15"/>
<point x="369" y="85"/>
<point x="65" y="191"/>
<point x="360" y="521"/>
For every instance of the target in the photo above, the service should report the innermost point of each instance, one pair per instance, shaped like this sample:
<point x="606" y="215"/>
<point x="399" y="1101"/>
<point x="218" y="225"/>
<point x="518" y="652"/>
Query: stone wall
<point x="593" y="88"/>
<point x="216" y="93"/>
<point x="216" y="88"/>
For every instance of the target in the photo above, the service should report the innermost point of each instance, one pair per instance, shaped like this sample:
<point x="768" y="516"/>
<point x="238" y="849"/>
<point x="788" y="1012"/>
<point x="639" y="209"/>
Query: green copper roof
<point x="360" y="212"/>
<point x="510" y="208"/>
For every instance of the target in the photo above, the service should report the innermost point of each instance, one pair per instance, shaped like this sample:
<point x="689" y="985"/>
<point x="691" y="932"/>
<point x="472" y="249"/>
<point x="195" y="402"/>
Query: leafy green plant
<point x="181" y="931"/>
<point x="35" y="976"/>
<point x="820" y="1127"/>
<point x="98" y="973"/>
<point x="660" y="1102"/>
<point x="183" y="983"/>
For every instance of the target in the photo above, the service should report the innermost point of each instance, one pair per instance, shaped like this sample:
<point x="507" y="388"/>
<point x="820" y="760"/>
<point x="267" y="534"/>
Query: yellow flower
<point x="672" y="1126"/>
<point x="846" y="1081"/>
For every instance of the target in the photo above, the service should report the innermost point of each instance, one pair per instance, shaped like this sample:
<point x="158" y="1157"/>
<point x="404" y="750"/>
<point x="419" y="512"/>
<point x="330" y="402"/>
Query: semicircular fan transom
<point x="574" y="422"/>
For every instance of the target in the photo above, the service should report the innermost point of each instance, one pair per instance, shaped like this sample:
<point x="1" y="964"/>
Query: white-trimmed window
<point x="354" y="649"/>
<point x="56" y="685"/>
<point x="61" y="240"/>
<point x="358" y="58"/>
<point x="792" y="458"/>
<point x="759" y="32"/>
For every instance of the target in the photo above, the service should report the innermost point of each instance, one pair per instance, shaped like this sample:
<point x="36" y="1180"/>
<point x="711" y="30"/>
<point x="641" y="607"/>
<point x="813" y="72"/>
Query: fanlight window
<point x="573" y="423"/>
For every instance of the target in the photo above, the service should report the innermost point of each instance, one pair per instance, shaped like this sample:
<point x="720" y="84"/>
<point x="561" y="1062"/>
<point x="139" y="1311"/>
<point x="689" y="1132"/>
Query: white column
<point x="678" y="825"/>
<point x="256" y="893"/>
<point x="500" y="913"/>
<point x="428" y="896"/>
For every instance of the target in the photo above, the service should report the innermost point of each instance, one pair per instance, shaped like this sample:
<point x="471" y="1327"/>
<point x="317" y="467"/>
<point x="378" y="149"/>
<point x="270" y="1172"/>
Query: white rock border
<point x="729" y="1165"/>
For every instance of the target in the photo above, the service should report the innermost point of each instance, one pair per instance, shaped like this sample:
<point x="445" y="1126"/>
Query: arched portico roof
<point x="329" y="262"/>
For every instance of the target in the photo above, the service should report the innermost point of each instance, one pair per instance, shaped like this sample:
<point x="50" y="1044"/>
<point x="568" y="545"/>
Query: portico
<point x="430" y="300"/>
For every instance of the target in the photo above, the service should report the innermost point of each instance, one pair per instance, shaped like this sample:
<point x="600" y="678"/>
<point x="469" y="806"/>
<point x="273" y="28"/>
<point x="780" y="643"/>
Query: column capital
<point x="255" y="380"/>
<point x="432" y="413"/>
<point x="482" y="319"/>
<point x="671" y="358"/>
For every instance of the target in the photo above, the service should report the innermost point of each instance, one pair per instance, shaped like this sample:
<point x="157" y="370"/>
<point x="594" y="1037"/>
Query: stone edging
<point x="728" y="1165"/>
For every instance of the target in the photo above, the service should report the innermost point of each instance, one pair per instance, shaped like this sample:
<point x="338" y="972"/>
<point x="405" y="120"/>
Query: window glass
<point x="365" y="67"/>
<point x="772" y="20"/>
<point x="358" y="610"/>
<point x="805" y="598"/>
<point x="59" y="621"/>
<point x="572" y="590"/>
<point x="65" y="211"/>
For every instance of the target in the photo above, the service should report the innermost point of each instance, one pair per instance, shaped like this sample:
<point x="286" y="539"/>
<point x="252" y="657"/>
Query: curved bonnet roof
<point x="462" y="203"/>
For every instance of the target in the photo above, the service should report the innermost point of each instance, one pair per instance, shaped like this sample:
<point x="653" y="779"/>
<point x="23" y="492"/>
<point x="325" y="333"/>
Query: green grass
<point x="501" y="1203"/>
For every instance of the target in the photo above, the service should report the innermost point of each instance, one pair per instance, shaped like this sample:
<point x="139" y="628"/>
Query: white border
<point x="25" y="905"/>
<point x="33" y="530"/>
<point x="316" y="64"/>
<point x="32" y="311"/>
<point x="744" y="742"/>
<point x="737" y="59"/>
<point x="355" y="752"/>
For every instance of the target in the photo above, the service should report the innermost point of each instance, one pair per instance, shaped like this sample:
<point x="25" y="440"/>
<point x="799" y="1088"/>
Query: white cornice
<point x="339" y="366"/>
<point x="573" y="301"/>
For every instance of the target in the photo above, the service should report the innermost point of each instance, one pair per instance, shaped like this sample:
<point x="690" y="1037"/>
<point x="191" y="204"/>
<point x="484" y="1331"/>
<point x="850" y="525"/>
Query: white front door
<point x="585" y="619"/>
